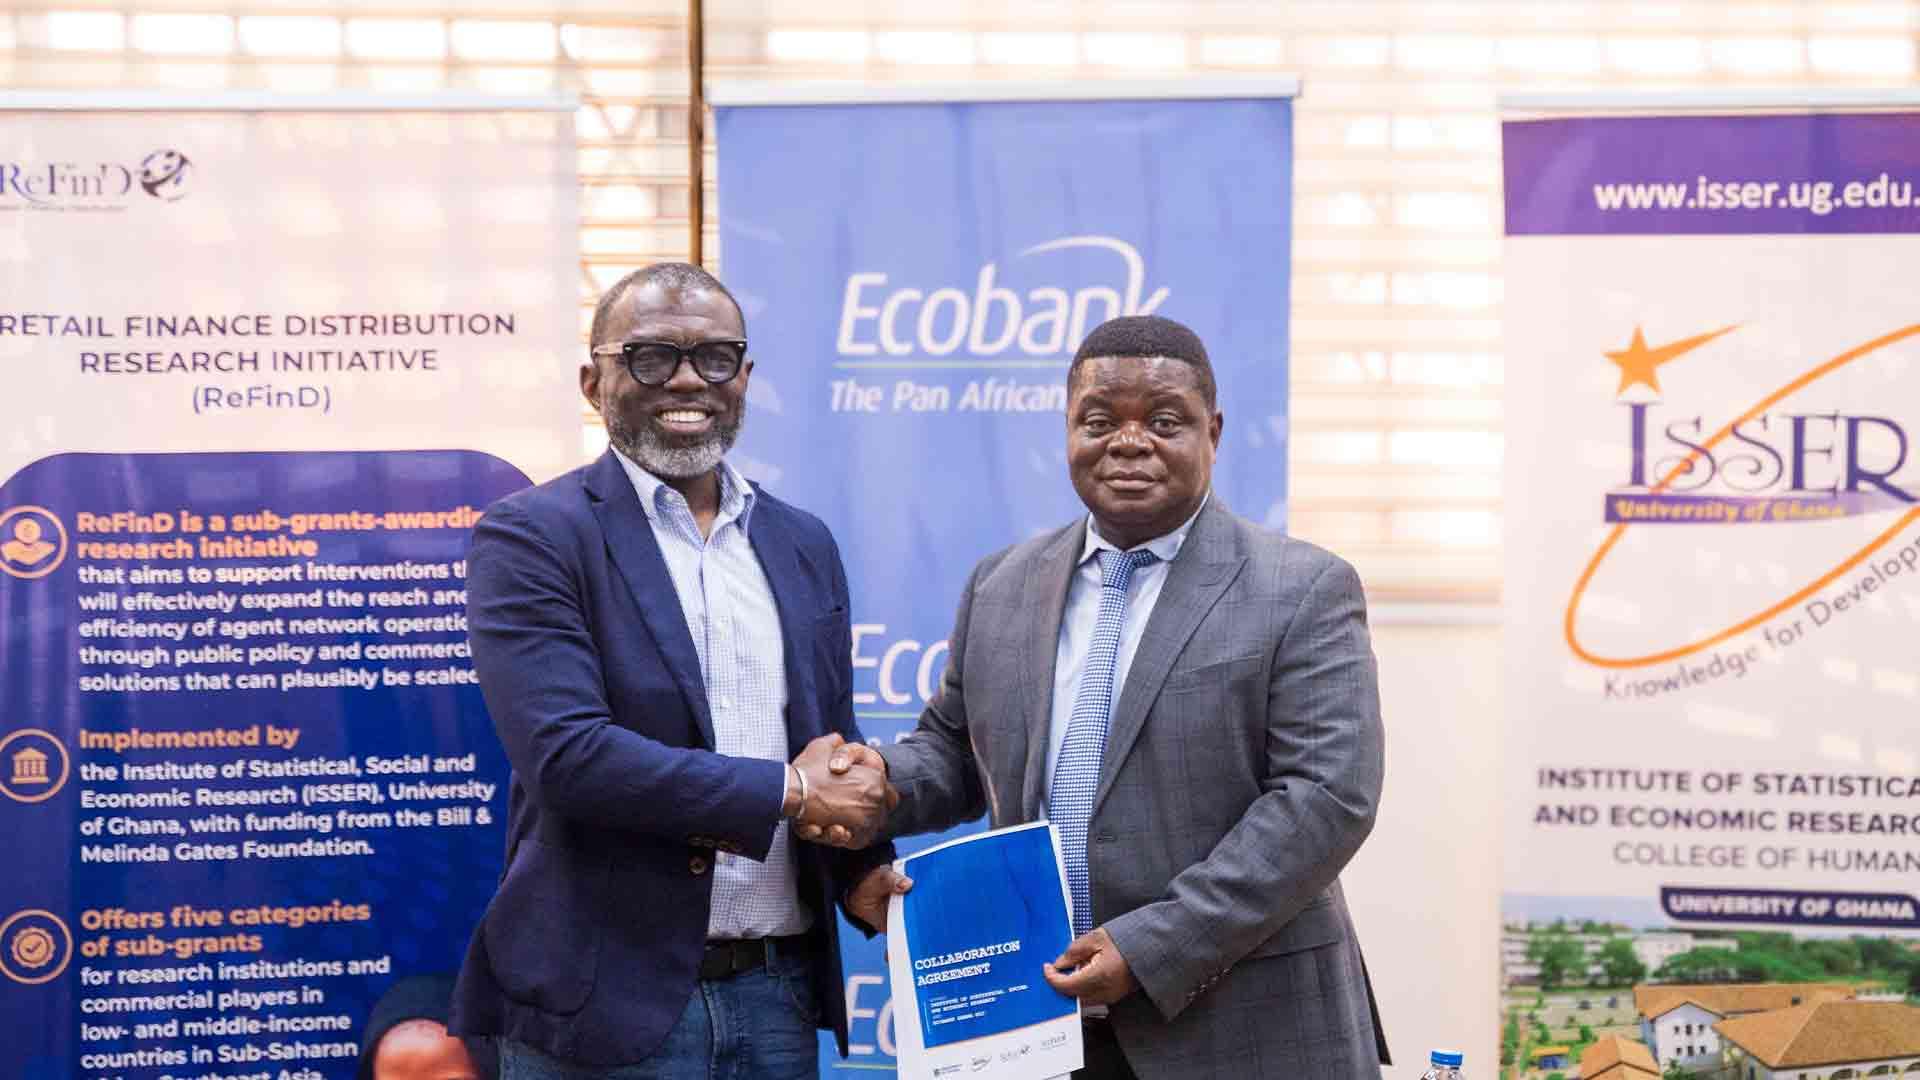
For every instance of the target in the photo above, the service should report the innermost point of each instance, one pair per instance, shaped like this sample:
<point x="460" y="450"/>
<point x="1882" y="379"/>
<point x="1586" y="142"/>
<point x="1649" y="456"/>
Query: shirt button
<point x="726" y="703"/>
<point x="697" y="865"/>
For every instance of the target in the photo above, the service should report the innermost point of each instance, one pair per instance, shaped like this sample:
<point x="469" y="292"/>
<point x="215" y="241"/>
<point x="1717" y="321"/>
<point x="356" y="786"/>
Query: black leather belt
<point x="725" y="959"/>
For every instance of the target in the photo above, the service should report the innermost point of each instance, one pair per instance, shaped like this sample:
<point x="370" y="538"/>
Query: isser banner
<point x="246" y="778"/>
<point x="1713" y="582"/>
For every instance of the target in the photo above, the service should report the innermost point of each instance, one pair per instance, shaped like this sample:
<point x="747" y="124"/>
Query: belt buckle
<point x="748" y="954"/>
<point x="729" y="957"/>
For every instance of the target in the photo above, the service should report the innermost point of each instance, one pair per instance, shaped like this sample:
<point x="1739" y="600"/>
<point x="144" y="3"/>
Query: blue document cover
<point x="985" y="912"/>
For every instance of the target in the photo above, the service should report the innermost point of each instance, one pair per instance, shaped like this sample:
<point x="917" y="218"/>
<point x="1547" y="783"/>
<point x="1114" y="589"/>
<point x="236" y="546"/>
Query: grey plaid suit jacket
<point x="1242" y="770"/>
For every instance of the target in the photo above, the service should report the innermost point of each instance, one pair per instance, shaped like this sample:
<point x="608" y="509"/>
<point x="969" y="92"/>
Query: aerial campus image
<point x="1593" y="999"/>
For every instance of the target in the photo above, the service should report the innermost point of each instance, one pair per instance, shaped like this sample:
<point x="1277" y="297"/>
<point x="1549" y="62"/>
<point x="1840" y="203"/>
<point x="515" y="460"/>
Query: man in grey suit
<point x="1191" y="699"/>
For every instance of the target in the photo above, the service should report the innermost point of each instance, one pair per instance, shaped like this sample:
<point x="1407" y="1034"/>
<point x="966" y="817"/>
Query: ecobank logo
<point x="1791" y="460"/>
<point x="982" y="322"/>
<point x="163" y="175"/>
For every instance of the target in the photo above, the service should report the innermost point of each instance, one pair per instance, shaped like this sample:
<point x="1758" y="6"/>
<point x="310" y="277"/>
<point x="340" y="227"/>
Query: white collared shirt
<point x="1076" y="624"/>
<point x="735" y="623"/>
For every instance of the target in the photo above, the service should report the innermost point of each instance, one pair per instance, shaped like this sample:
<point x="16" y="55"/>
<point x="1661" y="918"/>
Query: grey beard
<point x="672" y="461"/>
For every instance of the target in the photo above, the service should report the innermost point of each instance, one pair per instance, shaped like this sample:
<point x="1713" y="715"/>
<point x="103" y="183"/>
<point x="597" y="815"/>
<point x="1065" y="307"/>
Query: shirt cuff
<point x="780" y="799"/>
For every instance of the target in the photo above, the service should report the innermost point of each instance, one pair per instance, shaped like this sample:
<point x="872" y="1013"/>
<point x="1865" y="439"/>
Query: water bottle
<point x="1446" y="1066"/>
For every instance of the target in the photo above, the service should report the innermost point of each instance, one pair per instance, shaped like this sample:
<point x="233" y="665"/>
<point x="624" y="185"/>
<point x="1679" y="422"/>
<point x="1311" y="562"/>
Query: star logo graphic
<point x="1639" y="363"/>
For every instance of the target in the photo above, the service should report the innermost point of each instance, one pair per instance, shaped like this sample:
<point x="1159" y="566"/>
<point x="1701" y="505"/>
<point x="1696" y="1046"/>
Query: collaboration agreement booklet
<point x="964" y="949"/>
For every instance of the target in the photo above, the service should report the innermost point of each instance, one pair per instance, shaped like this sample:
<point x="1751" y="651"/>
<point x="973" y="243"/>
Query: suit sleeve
<point x="1325" y="761"/>
<point x="848" y="867"/>
<point x="539" y="670"/>
<point x="934" y="767"/>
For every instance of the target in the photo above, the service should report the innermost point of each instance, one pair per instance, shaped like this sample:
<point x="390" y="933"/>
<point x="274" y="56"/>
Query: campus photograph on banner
<point x="248" y="780"/>
<point x="916" y="277"/>
<point x="1712" y="777"/>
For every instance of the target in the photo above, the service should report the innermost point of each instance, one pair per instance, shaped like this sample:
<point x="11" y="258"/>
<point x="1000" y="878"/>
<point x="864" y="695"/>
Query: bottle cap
<point x="1448" y="1057"/>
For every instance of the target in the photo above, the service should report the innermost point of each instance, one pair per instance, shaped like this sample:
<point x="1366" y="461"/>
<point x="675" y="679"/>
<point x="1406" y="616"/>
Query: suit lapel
<point x="1206" y="565"/>
<point x="637" y="558"/>
<point x="1048" y="577"/>
<point x="779" y="558"/>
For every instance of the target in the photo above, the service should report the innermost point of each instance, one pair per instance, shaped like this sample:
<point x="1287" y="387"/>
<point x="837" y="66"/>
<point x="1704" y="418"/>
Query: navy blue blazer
<point x="590" y="948"/>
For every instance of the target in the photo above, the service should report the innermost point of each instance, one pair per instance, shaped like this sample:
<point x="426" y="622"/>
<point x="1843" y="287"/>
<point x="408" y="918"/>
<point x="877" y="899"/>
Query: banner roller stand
<point x="260" y="101"/>
<point x="276" y="355"/>
<point x="922" y="261"/>
<point x="1699" y="101"/>
<point x="756" y="92"/>
<point x="1709" y="768"/>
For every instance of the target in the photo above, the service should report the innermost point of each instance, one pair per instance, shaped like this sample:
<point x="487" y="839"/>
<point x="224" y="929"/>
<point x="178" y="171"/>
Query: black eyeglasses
<point x="652" y="363"/>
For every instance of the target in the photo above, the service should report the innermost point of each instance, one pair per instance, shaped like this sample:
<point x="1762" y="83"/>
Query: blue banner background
<point x="840" y="228"/>
<point x="426" y="886"/>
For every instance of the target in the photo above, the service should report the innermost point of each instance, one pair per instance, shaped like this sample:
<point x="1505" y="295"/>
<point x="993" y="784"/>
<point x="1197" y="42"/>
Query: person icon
<point x="28" y="545"/>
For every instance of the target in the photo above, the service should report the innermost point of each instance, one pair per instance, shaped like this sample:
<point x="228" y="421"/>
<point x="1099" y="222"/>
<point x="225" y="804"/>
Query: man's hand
<point x="845" y="756"/>
<point x="868" y="900"/>
<point x="845" y="807"/>
<point x="1100" y="975"/>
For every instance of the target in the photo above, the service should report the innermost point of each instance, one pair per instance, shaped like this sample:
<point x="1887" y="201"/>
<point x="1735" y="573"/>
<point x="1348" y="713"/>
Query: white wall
<point x="1425" y="888"/>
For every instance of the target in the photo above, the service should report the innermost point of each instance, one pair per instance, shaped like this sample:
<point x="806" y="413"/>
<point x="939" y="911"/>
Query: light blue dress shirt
<point x="1076" y="625"/>
<point x="735" y="623"/>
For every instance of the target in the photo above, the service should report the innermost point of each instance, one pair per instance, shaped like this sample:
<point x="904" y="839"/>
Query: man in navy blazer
<point x="656" y="638"/>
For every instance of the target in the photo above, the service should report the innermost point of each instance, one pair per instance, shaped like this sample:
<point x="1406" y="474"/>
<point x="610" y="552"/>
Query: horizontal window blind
<point x="1397" y="358"/>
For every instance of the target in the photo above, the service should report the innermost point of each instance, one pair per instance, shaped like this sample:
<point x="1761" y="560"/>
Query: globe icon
<point x="163" y="174"/>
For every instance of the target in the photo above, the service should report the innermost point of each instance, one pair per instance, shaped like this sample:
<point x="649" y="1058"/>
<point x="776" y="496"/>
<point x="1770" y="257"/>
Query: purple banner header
<point x="1675" y="175"/>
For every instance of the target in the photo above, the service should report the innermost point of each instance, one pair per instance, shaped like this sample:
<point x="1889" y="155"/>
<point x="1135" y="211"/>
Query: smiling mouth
<point x="684" y="421"/>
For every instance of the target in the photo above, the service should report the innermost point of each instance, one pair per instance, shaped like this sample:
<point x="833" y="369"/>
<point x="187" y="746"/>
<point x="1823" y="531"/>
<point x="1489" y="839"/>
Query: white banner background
<point x="1710" y="724"/>
<point x="286" y="212"/>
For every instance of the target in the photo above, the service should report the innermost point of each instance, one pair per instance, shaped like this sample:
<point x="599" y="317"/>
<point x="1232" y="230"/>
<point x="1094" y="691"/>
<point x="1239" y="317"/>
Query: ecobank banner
<point x="1713" y="594"/>
<point x="916" y="277"/>
<point x="264" y="369"/>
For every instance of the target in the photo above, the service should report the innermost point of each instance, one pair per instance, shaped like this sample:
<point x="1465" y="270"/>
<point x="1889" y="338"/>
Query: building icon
<point x="33" y="765"/>
<point x="30" y="767"/>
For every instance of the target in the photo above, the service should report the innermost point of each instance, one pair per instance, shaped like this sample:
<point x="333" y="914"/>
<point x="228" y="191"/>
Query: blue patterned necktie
<point x="1076" y="773"/>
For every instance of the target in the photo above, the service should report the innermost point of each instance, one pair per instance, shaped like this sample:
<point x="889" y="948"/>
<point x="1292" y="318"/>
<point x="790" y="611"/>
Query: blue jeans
<point x="757" y="1025"/>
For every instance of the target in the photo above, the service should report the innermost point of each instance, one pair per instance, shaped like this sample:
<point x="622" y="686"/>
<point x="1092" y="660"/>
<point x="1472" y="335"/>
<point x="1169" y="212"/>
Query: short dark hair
<point x="669" y="276"/>
<point x="1148" y="335"/>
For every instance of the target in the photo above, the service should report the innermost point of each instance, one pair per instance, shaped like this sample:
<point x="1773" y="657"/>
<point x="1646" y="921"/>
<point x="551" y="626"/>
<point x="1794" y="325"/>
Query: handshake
<point x="838" y="794"/>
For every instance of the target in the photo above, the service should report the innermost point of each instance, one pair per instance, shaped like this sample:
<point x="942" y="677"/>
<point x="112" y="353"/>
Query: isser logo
<point x="1772" y="464"/>
<point x="54" y="185"/>
<point x="1793" y="457"/>
<point x="880" y="317"/>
